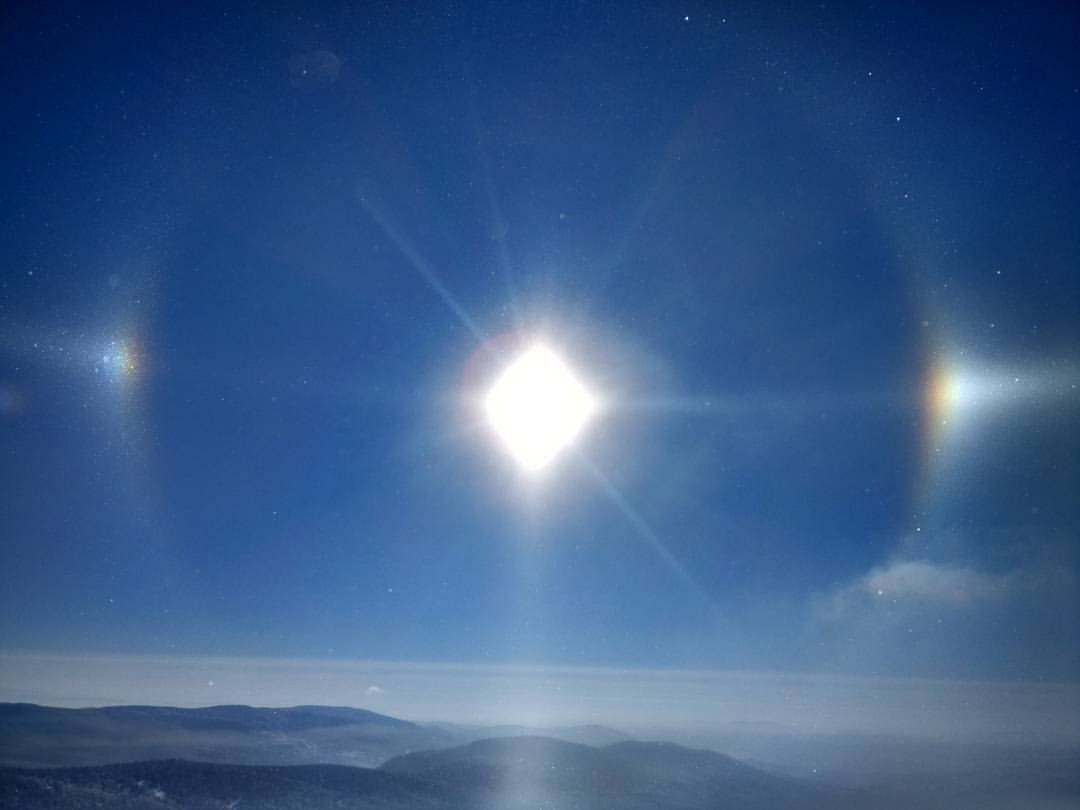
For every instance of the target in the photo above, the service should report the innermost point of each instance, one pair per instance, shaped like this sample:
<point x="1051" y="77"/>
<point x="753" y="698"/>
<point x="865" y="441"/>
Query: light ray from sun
<point x="645" y="533"/>
<point x="499" y="230"/>
<point x="421" y="266"/>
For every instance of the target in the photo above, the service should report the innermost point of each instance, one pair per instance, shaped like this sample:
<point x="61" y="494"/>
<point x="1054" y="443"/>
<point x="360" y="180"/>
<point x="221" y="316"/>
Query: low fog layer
<point x="650" y="703"/>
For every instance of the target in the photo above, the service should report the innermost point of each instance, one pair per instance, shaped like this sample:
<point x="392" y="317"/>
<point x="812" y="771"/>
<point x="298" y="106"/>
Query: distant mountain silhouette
<point x="238" y="756"/>
<point x="506" y="773"/>
<point x="543" y="772"/>
<point x="225" y="718"/>
<point x="41" y="736"/>
<point x="175" y="784"/>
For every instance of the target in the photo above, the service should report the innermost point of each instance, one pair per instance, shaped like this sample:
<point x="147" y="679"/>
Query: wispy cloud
<point x="939" y="583"/>
<point x="922" y="582"/>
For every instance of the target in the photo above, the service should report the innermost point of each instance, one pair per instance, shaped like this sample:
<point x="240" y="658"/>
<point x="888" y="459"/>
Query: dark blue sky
<point x="821" y="263"/>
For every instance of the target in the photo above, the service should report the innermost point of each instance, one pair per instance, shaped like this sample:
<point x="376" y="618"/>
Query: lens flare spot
<point x="120" y="360"/>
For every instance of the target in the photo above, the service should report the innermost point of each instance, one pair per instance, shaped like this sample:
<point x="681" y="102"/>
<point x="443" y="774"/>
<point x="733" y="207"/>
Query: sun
<point x="538" y="407"/>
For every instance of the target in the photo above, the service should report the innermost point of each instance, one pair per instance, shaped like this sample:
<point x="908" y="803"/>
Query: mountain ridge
<point x="509" y="772"/>
<point x="33" y="735"/>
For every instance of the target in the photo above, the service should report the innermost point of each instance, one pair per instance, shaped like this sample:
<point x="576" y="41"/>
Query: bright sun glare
<point x="537" y="407"/>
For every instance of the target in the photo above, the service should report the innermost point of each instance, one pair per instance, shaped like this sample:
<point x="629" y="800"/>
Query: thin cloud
<point x="920" y="582"/>
<point x="955" y="585"/>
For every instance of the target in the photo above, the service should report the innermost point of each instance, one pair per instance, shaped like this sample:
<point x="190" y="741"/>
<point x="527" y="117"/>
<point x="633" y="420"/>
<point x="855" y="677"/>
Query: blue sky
<point x="821" y="264"/>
